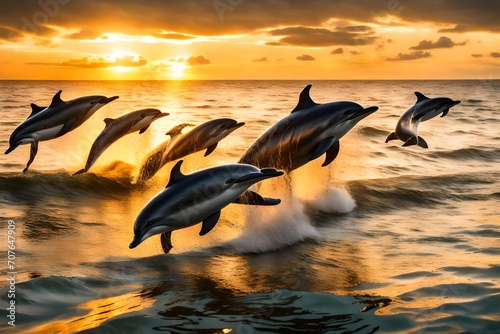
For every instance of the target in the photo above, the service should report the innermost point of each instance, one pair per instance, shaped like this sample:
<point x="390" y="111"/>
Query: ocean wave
<point x="468" y="153"/>
<point x="369" y="131"/>
<point x="416" y="191"/>
<point x="35" y="185"/>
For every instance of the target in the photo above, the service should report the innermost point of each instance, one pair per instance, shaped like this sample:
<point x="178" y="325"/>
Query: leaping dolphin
<point x="309" y="131"/>
<point x="423" y="110"/>
<point x="54" y="121"/>
<point x="199" y="197"/>
<point x="204" y="136"/>
<point x="116" y="128"/>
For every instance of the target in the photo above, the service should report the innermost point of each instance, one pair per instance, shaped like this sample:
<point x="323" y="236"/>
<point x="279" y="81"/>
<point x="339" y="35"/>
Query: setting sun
<point x="177" y="70"/>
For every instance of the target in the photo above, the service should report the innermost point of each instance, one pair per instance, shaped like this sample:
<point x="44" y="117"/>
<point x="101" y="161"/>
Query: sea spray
<point x="334" y="200"/>
<point x="269" y="228"/>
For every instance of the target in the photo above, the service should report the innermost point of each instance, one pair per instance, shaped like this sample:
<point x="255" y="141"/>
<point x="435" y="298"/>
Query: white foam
<point x="271" y="228"/>
<point x="334" y="200"/>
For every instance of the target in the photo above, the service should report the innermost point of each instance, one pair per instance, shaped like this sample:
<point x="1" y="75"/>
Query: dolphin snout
<point x="135" y="242"/>
<point x="363" y="112"/>
<point x="11" y="148"/>
<point x="106" y="100"/>
<point x="160" y="115"/>
<point x="265" y="173"/>
<point x="236" y="125"/>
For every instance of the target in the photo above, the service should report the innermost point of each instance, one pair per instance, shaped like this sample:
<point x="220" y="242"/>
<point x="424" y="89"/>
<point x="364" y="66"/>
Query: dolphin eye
<point x="143" y="115"/>
<point x="230" y="181"/>
<point x="149" y="223"/>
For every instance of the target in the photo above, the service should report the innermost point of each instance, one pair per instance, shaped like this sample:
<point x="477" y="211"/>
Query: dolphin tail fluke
<point x="392" y="136"/>
<point x="422" y="143"/>
<point x="331" y="154"/>
<point x="33" y="152"/>
<point x="166" y="241"/>
<point x="411" y="141"/>
<point x="252" y="198"/>
<point x="81" y="171"/>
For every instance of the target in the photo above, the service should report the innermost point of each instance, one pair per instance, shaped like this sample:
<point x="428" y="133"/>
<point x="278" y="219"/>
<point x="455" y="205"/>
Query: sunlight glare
<point x="177" y="69"/>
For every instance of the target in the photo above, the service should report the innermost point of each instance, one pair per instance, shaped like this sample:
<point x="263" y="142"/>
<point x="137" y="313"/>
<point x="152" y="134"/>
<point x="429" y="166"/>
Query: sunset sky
<point x="249" y="39"/>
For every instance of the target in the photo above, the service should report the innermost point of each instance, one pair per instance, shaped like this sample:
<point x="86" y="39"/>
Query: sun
<point x="121" y="69"/>
<point x="177" y="69"/>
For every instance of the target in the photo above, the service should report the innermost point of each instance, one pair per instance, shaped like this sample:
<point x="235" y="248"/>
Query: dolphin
<point x="309" y="131"/>
<point x="54" y="121"/>
<point x="205" y="136"/>
<point x="138" y="120"/>
<point x="423" y="110"/>
<point x="198" y="197"/>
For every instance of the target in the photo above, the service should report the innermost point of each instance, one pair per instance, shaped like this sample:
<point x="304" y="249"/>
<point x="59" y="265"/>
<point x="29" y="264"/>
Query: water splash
<point x="334" y="200"/>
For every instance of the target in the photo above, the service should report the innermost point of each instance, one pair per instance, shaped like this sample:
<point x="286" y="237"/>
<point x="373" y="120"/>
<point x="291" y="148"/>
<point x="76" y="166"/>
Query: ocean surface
<point x="387" y="239"/>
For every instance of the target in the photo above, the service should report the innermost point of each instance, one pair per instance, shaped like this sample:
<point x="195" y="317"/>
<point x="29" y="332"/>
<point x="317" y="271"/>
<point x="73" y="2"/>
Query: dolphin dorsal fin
<point x="175" y="174"/>
<point x="304" y="99"/>
<point x="56" y="99"/>
<point x="108" y="121"/>
<point x="35" y="109"/>
<point x="420" y="97"/>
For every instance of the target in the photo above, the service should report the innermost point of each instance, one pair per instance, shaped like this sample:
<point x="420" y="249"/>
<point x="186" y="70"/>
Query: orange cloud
<point x="197" y="60"/>
<point x="100" y="62"/>
<point x="410" y="56"/>
<point x="306" y="58"/>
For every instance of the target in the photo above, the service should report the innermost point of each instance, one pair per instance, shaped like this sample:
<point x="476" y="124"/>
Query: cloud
<point x="306" y="58"/>
<point x="477" y="55"/>
<point x="100" y="62"/>
<point x="361" y="28"/>
<point x="259" y="60"/>
<point x="460" y="28"/>
<point x="174" y="36"/>
<point x="193" y="17"/>
<point x="355" y="53"/>
<point x="410" y="56"/>
<point x="315" y="37"/>
<point x="85" y="34"/>
<point x="337" y="51"/>
<point x="197" y="60"/>
<point x="495" y="54"/>
<point x="442" y="42"/>
<point x="8" y="34"/>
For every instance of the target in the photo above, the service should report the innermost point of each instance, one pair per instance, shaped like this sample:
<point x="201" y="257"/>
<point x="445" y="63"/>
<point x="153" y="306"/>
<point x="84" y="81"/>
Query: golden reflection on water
<point x="95" y="312"/>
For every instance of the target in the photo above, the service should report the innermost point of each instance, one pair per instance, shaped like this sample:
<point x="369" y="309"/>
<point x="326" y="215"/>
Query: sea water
<point x="386" y="239"/>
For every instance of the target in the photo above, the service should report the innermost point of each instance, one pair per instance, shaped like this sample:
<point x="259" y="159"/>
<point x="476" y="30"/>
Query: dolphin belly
<point x="46" y="134"/>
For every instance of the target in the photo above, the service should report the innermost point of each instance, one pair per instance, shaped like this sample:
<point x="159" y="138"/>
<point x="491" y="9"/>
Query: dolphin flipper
<point x="323" y="146"/>
<point x="252" y="198"/>
<point x="445" y="112"/>
<point x="166" y="242"/>
<point x="209" y="223"/>
<point x="392" y="136"/>
<point x="81" y="171"/>
<point x="144" y="129"/>
<point x="331" y="154"/>
<point x="33" y="152"/>
<point x="210" y="149"/>
<point x="66" y="128"/>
